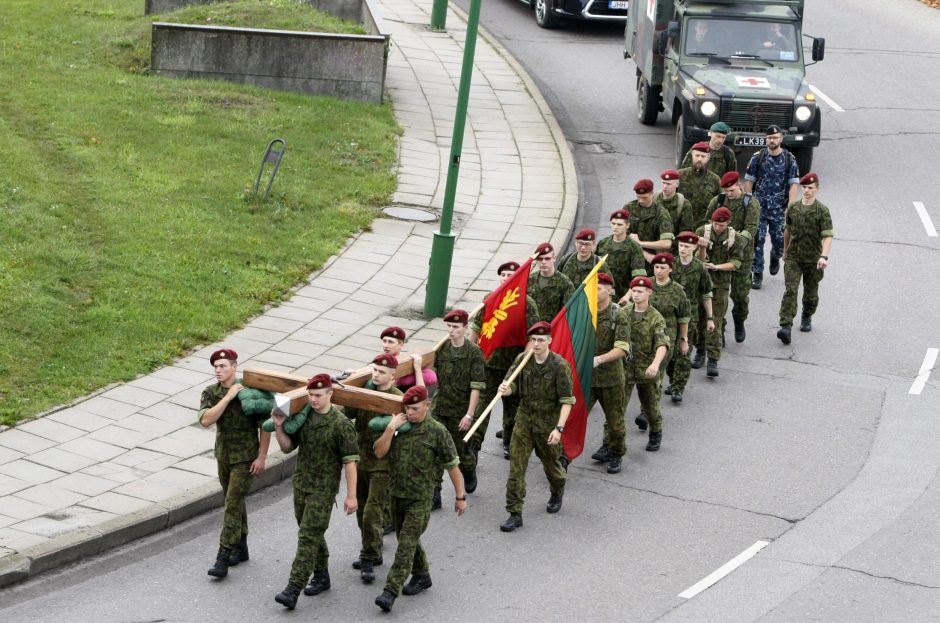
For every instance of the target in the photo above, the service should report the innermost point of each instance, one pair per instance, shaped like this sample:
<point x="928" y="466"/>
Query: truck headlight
<point x="709" y="109"/>
<point x="803" y="113"/>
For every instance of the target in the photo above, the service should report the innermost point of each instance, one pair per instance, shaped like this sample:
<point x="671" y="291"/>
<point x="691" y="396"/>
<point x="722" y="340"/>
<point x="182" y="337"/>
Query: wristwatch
<point x="709" y="317"/>
<point x="825" y="257"/>
<point x="461" y="499"/>
<point x="560" y="429"/>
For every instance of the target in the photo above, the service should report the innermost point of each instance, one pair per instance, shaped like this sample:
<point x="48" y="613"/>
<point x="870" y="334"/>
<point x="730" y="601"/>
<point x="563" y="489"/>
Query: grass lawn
<point x="125" y="230"/>
<point x="289" y="15"/>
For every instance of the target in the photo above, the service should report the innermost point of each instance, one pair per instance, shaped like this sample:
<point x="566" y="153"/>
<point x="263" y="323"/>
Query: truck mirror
<point x="672" y="30"/>
<point x="819" y="48"/>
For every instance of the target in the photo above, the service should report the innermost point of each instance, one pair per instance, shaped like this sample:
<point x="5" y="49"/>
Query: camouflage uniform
<point x="698" y="286"/>
<point x="671" y="301"/>
<point x="699" y="189"/>
<point x="624" y="261"/>
<point x="327" y="442"/>
<point x="647" y="334"/>
<point x="496" y="366"/>
<point x="719" y="252"/>
<point x="416" y="459"/>
<point x="807" y="225"/>
<point x="745" y="221"/>
<point x="371" y="480"/>
<point x="650" y="224"/>
<point x="772" y="179"/>
<point x="236" y="446"/>
<point x="721" y="161"/>
<point x="459" y="370"/>
<point x="613" y="331"/>
<point x="576" y="270"/>
<point x="680" y="212"/>
<point x="543" y="388"/>
<point x="549" y="293"/>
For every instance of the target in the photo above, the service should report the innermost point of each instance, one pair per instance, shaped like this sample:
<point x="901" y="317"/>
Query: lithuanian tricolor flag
<point x="573" y="331"/>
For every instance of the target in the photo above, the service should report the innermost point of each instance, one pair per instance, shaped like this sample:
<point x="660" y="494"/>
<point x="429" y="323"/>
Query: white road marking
<point x="723" y="570"/>
<point x="826" y="99"/>
<point x="925" y="218"/>
<point x="930" y="360"/>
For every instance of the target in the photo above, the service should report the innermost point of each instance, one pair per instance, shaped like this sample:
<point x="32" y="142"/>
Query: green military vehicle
<point x="737" y="61"/>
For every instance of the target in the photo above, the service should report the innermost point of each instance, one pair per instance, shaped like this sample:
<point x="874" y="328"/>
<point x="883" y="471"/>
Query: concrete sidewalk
<point x="131" y="460"/>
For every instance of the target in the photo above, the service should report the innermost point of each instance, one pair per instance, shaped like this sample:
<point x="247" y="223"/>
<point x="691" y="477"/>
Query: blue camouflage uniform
<point x="772" y="181"/>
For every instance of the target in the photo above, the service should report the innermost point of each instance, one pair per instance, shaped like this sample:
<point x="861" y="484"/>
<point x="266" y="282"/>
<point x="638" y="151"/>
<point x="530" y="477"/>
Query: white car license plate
<point x="750" y="141"/>
<point x="618" y="4"/>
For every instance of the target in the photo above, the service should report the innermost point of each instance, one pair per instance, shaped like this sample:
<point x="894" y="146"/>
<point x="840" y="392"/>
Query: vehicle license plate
<point x="618" y="4"/>
<point x="750" y="141"/>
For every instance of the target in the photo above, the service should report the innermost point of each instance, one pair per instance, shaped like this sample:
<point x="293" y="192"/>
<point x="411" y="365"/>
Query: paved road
<point x="818" y="448"/>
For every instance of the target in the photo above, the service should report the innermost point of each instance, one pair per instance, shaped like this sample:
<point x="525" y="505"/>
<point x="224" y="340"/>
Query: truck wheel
<point x="804" y="159"/>
<point x="682" y="144"/>
<point x="544" y="16"/>
<point x="647" y="102"/>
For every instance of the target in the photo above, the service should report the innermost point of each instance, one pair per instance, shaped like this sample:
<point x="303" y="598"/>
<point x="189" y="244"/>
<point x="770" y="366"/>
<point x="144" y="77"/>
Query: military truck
<point x="737" y="61"/>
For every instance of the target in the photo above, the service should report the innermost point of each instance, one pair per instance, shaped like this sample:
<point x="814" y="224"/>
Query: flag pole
<point x="476" y="310"/>
<point x="497" y="397"/>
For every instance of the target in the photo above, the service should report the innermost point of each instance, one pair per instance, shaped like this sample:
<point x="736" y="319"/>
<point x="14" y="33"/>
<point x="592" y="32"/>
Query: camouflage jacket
<point x="613" y="331"/>
<point x="459" y="370"/>
<point x="744" y="220"/>
<point x="416" y="459"/>
<point x="552" y="297"/>
<point x="366" y="437"/>
<point x="502" y="358"/>
<point x="695" y="280"/>
<point x="576" y="270"/>
<point x="326" y="442"/>
<point x="647" y="334"/>
<point x="720" y="252"/>
<point x="624" y="261"/>
<point x="699" y="189"/>
<point x="680" y="212"/>
<point x="721" y="161"/>
<point x="236" y="434"/>
<point x="670" y="300"/>
<point x="807" y="225"/>
<point x="651" y="223"/>
<point x="542" y="389"/>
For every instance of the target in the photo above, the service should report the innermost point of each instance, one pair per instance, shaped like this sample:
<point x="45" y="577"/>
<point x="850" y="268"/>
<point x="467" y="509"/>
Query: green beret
<point x="721" y="126"/>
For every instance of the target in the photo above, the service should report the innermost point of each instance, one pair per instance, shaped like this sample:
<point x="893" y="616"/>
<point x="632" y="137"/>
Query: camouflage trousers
<point x="236" y="483"/>
<point x="312" y="511"/>
<point x="741" y="281"/>
<point x="648" y="392"/>
<point x="494" y="377"/>
<point x="372" y="513"/>
<point x="772" y="222"/>
<point x="526" y="438"/>
<point x="680" y="367"/>
<point x="719" y="311"/>
<point x="613" y="405"/>
<point x="793" y="272"/>
<point x="410" y="518"/>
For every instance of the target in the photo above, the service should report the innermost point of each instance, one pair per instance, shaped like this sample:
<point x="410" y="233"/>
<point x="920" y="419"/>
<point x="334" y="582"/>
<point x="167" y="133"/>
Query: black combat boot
<point x="514" y="521"/>
<point x="783" y="334"/>
<point x="357" y="563"/>
<point x="739" y="333"/>
<point x="641" y="422"/>
<point x="366" y="572"/>
<point x="417" y="584"/>
<point x="699" y="359"/>
<point x="288" y="596"/>
<point x="774" y="264"/>
<point x="758" y="281"/>
<point x="388" y="529"/>
<point x="470" y="480"/>
<point x="505" y="450"/>
<point x="220" y="568"/>
<point x="614" y="466"/>
<point x="677" y="395"/>
<point x="654" y="441"/>
<point x="806" y="323"/>
<point x="602" y="455"/>
<point x="554" y="503"/>
<point x="386" y="600"/>
<point x="318" y="583"/>
<point x="668" y="390"/>
<point x="712" y="368"/>
<point x="239" y="552"/>
<point x="499" y="434"/>
<point x="436" y="500"/>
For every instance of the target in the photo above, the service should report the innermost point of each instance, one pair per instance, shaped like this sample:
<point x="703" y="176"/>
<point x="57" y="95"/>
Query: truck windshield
<point x="726" y="38"/>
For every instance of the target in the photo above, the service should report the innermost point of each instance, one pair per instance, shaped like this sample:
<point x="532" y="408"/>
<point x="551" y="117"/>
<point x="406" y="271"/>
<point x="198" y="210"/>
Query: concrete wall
<point x="346" y="66"/>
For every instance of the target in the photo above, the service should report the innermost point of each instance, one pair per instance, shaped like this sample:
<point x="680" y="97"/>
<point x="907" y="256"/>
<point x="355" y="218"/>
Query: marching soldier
<point x="698" y="184"/>
<point x="653" y="230"/>
<point x="416" y="459"/>
<point x="240" y="453"/>
<point x="721" y="158"/>
<point x="691" y="274"/>
<point x="670" y="300"/>
<point x="579" y="263"/>
<point x="624" y="255"/>
<point x="547" y="394"/>
<point x="548" y="287"/>
<point x="327" y="447"/>
<point x="679" y="208"/>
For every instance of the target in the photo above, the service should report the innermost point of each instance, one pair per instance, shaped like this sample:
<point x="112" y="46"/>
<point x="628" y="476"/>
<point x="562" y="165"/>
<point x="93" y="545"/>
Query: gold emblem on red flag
<point x="510" y="299"/>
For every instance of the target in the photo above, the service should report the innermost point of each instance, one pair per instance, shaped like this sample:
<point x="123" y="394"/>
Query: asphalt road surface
<point x="825" y="450"/>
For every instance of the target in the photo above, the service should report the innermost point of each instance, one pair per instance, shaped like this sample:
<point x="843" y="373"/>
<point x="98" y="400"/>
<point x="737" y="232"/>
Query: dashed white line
<point x="930" y="360"/>
<point x="826" y="99"/>
<point x="723" y="570"/>
<point x="925" y="219"/>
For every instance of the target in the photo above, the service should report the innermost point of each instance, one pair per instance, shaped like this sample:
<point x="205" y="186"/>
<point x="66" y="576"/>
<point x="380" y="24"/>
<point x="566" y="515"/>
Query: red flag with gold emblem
<point x="504" y="314"/>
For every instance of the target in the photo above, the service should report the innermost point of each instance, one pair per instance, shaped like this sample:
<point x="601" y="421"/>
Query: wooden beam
<point x="345" y="395"/>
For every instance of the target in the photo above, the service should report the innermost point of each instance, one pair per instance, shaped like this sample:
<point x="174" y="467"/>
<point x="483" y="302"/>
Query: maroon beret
<point x="646" y="282"/>
<point x="663" y="258"/>
<point x="510" y="266"/>
<point x="540" y="328"/>
<point x="809" y="178"/>
<point x="396" y="332"/>
<point x="643" y="186"/>
<point x="320" y="381"/>
<point x="688" y="237"/>
<point x="669" y="175"/>
<point x="623" y="213"/>
<point x="721" y="215"/>
<point x="730" y="179"/>
<point x="701" y="146"/>
<point x="586" y="234"/>
<point x="414" y="395"/>
<point x="225" y="353"/>
<point x="457" y="315"/>
<point x="605" y="279"/>
<point x="386" y="361"/>
<point x="544" y="249"/>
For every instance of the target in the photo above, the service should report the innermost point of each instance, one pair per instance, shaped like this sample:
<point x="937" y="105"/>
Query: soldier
<point x="648" y="347"/>
<point x="496" y="366"/>
<point x="670" y="300"/>
<point x="546" y="389"/>
<point x="393" y="341"/>
<point x="372" y="475"/>
<point x="721" y="158"/>
<point x="773" y="176"/>
<point x="240" y="453"/>
<point x="416" y="459"/>
<point x="548" y="287"/>
<point x="680" y="210"/>
<point x="745" y="216"/>
<point x="612" y="343"/>
<point x="578" y="264"/>
<point x="807" y="241"/>
<point x="461" y="377"/>
<point x="722" y="250"/>
<point x="691" y="274"/>
<point x="624" y="256"/>
<point x="698" y="184"/>
<point x="653" y="230"/>
<point x="327" y="442"/>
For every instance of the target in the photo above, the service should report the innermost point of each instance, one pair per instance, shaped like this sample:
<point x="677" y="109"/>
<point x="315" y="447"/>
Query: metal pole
<point x="438" y="14"/>
<point x="442" y="248"/>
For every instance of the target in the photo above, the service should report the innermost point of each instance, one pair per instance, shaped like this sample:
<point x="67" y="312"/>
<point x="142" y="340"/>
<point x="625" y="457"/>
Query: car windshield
<point x="725" y="38"/>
